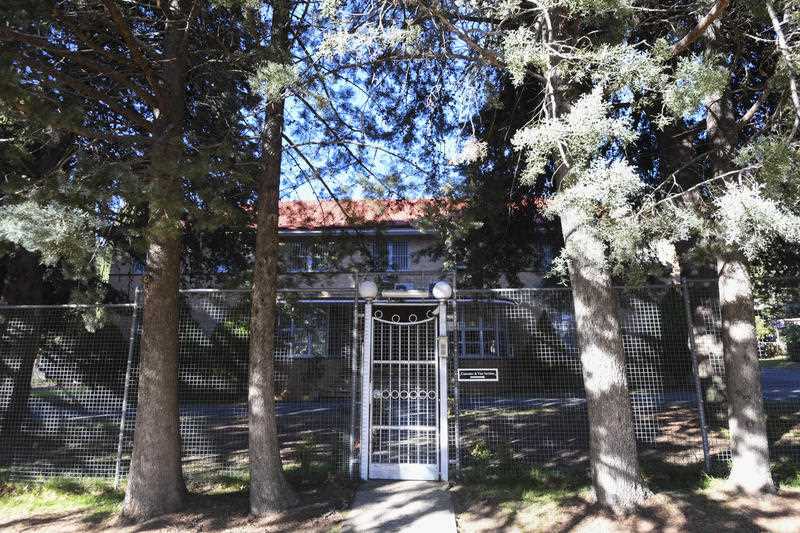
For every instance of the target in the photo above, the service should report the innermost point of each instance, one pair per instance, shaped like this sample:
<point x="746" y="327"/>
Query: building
<point x="410" y="370"/>
<point x="325" y="242"/>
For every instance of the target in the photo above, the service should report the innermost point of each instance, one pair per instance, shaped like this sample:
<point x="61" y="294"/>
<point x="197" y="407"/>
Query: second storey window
<point x="391" y="255"/>
<point x="543" y="256"/>
<point x="308" y="256"/>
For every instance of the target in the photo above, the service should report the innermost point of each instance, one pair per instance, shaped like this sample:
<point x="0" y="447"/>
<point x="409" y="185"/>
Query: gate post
<point x="441" y="354"/>
<point x="366" y="390"/>
<point x="351" y="466"/>
<point x="701" y="409"/>
<point x="126" y="389"/>
<point x="454" y="373"/>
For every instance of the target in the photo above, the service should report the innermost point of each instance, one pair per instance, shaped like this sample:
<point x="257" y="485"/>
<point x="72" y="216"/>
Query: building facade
<point x="324" y="243"/>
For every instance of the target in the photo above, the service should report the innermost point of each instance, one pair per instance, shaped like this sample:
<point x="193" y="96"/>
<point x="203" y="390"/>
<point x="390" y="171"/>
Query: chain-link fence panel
<point x="535" y="413"/>
<point x="661" y="374"/>
<point x="68" y="379"/>
<point x="777" y="312"/>
<point x="706" y="327"/>
<point x="313" y="374"/>
<point x="62" y="383"/>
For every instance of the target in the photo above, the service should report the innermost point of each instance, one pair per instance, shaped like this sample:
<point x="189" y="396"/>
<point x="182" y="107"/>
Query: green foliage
<point x="57" y="233"/>
<point x="580" y="134"/>
<point x="697" y="82"/>
<point x="272" y="79"/>
<point x="772" y="350"/>
<point x="791" y="337"/>
<point x="786" y="472"/>
<point x="763" y="328"/>
<point x="306" y="453"/>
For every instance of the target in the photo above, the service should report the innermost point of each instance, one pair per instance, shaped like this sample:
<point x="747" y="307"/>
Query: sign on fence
<point x="478" y="374"/>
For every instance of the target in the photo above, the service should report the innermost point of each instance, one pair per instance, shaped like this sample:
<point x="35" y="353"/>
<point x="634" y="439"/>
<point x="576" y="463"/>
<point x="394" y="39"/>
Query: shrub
<point x="791" y="336"/>
<point x="770" y="350"/>
<point x="306" y="453"/>
<point x="480" y="462"/>
<point x="764" y="331"/>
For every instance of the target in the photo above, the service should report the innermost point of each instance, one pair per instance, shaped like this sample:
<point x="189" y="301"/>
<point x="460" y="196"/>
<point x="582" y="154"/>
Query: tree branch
<point x="135" y="47"/>
<point x="94" y="95"/>
<point x="720" y="6"/>
<point x="105" y="70"/>
<point x="783" y="46"/>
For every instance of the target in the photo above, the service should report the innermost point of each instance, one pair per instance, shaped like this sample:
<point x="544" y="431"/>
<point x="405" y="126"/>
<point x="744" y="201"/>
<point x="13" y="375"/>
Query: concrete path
<point x="418" y="506"/>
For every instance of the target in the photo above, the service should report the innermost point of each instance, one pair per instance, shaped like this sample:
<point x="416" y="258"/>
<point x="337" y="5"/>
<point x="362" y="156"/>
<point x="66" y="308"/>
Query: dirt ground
<point x="700" y="511"/>
<point x="709" y="510"/>
<point x="219" y="513"/>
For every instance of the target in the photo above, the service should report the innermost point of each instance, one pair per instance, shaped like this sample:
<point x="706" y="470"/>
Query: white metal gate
<point x="404" y="421"/>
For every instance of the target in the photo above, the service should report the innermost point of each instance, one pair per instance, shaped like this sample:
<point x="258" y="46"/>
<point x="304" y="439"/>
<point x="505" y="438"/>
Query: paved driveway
<point x="781" y="384"/>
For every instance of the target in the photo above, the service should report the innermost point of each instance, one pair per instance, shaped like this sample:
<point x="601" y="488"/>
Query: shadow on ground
<point x="686" y="500"/>
<point x="218" y="504"/>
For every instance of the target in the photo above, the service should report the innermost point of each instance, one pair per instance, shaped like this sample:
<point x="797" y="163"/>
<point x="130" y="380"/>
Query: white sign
<point x="478" y="374"/>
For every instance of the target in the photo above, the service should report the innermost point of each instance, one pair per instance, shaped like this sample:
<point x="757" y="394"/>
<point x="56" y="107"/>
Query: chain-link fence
<point x="68" y="378"/>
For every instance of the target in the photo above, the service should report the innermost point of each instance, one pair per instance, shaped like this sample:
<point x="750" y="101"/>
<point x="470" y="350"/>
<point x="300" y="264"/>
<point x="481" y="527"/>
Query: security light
<point x="367" y="290"/>
<point x="442" y="290"/>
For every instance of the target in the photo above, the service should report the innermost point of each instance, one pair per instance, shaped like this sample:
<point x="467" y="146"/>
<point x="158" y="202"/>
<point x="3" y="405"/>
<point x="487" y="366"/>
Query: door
<point x="406" y="384"/>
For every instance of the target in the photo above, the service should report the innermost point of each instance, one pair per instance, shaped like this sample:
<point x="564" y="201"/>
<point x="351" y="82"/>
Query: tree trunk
<point x="269" y="491"/>
<point x="155" y="481"/>
<point x="23" y="287"/>
<point x="617" y="481"/>
<point x="746" y="419"/>
<point x="613" y="455"/>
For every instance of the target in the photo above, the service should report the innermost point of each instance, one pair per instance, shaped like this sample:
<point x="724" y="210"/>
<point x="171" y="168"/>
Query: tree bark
<point x="746" y="419"/>
<point x="614" y="459"/>
<point x="269" y="490"/>
<point x="616" y="478"/>
<point x="155" y="482"/>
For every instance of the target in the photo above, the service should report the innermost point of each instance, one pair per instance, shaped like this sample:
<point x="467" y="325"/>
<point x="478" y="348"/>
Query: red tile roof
<point x="326" y="214"/>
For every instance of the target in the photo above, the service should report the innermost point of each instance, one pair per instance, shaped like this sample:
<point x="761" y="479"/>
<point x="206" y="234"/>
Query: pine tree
<point x="118" y="77"/>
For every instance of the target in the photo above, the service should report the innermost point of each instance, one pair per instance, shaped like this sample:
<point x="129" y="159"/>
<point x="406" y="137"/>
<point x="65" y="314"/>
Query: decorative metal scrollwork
<point x="415" y="394"/>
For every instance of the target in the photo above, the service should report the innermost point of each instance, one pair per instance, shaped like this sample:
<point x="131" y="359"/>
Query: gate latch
<point x="443" y="346"/>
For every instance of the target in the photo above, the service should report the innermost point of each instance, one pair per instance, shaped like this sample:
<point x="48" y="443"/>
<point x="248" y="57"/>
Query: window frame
<point x="291" y="329"/>
<point x="387" y="259"/>
<point x="314" y="254"/>
<point x="499" y="339"/>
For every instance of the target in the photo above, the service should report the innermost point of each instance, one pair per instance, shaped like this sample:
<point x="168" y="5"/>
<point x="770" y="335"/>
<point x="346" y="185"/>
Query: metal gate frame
<point x="441" y="354"/>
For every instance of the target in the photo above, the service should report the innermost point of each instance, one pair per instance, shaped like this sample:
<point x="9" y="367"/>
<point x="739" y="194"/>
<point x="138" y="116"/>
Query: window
<point x="391" y="255"/>
<point x="481" y="334"/>
<point x="309" y="256"/>
<point x="543" y="256"/>
<point x="302" y="335"/>
<point x="137" y="268"/>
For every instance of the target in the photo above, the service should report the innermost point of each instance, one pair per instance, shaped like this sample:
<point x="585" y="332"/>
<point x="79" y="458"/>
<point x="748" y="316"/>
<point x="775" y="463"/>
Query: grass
<point x="236" y="482"/>
<point x="523" y="486"/>
<point x="60" y="494"/>
<point x="778" y="362"/>
<point x="519" y="486"/>
<point x="786" y="473"/>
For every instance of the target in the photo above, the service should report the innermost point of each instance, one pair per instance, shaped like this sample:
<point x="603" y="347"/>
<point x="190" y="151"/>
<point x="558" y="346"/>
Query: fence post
<point x="354" y="382"/>
<point x="701" y="408"/>
<point x="456" y="392"/>
<point x="126" y="388"/>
